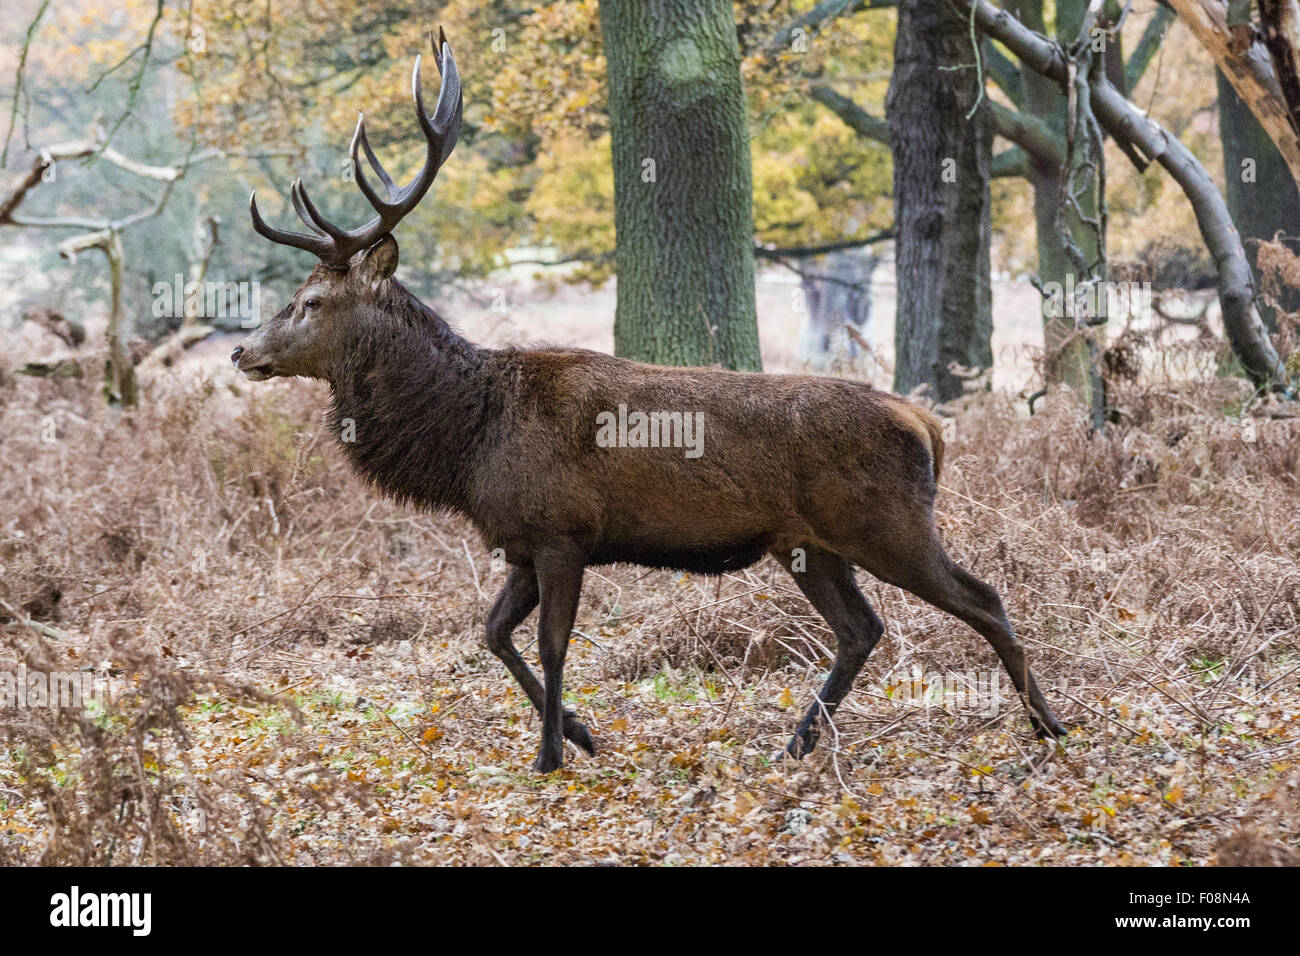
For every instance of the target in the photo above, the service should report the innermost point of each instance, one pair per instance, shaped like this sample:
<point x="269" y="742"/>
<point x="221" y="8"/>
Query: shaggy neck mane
<point x="412" y="404"/>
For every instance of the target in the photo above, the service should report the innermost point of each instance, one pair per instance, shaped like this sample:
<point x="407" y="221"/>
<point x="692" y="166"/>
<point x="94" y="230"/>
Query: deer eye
<point x="311" y="304"/>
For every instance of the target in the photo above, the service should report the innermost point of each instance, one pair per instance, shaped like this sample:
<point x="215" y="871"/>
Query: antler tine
<point x="359" y="138"/>
<point x="387" y="209"/>
<point x="450" y="107"/>
<point x="303" y="213"/>
<point x="443" y="128"/>
<point x="318" y="245"/>
<point x="309" y="214"/>
<point x="335" y="246"/>
<point x="440" y="134"/>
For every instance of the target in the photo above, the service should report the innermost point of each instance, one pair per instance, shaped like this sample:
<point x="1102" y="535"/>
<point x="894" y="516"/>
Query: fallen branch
<point x="53" y="633"/>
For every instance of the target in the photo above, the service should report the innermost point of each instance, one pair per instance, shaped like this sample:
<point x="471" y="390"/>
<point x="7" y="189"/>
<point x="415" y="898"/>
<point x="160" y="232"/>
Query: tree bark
<point x="941" y="201"/>
<point x="683" y="195"/>
<point x="1069" y="358"/>
<point x="1251" y="73"/>
<point x="1279" y="21"/>
<point x="1262" y="196"/>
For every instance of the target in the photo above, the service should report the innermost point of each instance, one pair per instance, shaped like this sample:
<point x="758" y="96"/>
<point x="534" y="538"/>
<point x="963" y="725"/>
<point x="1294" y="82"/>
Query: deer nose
<point x="234" y="356"/>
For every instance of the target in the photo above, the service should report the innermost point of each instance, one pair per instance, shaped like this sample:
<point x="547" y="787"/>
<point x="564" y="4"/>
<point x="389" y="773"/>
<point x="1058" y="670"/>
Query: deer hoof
<point x="804" y="740"/>
<point x="1050" y="727"/>
<point x="577" y="732"/>
<point x="798" y="748"/>
<point x="547" y="761"/>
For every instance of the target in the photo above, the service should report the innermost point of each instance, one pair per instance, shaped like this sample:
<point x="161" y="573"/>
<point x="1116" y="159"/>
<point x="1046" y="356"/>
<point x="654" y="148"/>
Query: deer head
<point x="351" y="287"/>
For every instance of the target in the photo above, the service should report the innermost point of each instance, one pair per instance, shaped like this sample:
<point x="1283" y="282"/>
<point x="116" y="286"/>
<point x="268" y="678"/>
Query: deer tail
<point x="927" y="427"/>
<point x="935" y="430"/>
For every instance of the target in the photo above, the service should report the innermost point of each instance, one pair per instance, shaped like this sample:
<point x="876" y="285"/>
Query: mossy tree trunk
<point x="683" y="195"/>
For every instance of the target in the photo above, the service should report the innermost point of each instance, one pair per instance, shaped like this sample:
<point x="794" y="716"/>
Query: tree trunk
<point x="1252" y="71"/>
<point x="1070" y="358"/>
<point x="1140" y="136"/>
<point x="120" y="385"/>
<point x="1262" y="196"/>
<point x="683" y="196"/>
<point x="838" y="294"/>
<point x="941" y="201"/>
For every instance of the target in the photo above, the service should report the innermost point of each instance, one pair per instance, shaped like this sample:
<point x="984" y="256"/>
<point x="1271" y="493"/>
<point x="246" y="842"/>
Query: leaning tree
<point x="1098" y="103"/>
<point x="1068" y="87"/>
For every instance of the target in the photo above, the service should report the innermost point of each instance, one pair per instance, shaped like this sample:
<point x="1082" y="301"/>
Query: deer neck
<point x="412" y="407"/>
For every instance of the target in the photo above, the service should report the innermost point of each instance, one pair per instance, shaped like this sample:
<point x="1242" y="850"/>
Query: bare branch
<point x="1017" y="127"/>
<point x="18" y="80"/>
<point x="166" y="174"/>
<point x="1152" y="37"/>
<point x="99" y="239"/>
<point x="805" y="252"/>
<point x="1129" y="125"/>
<point x="145" y="49"/>
<point x="77" y="149"/>
<point x="853" y="115"/>
<point x="822" y="14"/>
<point x="1030" y="133"/>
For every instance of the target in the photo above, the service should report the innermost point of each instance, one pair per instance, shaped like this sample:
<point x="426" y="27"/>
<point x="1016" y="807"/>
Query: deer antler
<point x="335" y="246"/>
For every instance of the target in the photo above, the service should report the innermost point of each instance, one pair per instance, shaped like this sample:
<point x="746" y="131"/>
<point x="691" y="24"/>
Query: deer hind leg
<point x="515" y="602"/>
<point x="938" y="580"/>
<point x="827" y="581"/>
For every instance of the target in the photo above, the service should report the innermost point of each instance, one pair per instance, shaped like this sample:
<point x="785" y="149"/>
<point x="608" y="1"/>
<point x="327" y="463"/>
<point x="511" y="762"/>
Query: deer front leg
<point x="559" y="581"/>
<point x="515" y="602"/>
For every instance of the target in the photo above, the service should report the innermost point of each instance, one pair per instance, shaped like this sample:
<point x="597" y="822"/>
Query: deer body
<point x="507" y="438"/>
<point x="821" y="474"/>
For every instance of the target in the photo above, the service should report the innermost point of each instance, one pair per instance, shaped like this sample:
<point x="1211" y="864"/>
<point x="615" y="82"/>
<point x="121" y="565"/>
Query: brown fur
<point x="931" y="431"/>
<point x="820" y="473"/>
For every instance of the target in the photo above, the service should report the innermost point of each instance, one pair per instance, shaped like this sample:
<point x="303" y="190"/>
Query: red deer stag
<point x="821" y="474"/>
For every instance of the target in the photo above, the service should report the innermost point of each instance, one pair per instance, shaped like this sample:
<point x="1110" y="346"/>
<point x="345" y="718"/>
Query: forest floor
<point x="297" y="672"/>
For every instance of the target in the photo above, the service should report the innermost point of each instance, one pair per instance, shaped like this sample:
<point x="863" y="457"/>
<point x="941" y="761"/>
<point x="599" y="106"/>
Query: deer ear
<point x="372" y="266"/>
